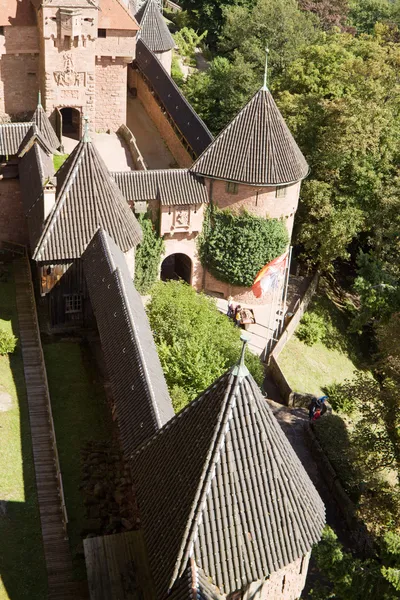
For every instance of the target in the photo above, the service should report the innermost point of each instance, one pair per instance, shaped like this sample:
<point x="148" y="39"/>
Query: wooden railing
<point x="49" y="410"/>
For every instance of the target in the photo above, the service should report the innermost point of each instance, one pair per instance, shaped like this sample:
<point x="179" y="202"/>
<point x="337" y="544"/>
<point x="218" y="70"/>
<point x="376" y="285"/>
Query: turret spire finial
<point x="265" y="86"/>
<point x="86" y="136"/>
<point x="39" y="100"/>
<point x="240" y="370"/>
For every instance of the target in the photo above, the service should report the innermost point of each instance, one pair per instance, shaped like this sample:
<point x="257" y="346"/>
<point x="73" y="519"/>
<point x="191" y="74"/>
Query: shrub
<point x="176" y="72"/>
<point x="8" y="342"/>
<point x="195" y="342"/>
<point x="311" y="329"/>
<point x="339" y="398"/>
<point x="235" y="247"/>
<point x="148" y="256"/>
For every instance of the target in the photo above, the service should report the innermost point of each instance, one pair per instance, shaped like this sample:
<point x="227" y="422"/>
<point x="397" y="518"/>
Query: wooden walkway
<point x="48" y="478"/>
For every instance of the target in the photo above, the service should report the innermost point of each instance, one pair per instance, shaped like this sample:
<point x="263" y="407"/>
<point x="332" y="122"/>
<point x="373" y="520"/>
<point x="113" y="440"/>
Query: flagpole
<point x="287" y="283"/>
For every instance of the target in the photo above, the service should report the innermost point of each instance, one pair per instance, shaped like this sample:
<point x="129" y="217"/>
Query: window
<point x="280" y="192"/>
<point x="73" y="303"/>
<point x="231" y="188"/>
<point x="1" y="30"/>
<point x="101" y="33"/>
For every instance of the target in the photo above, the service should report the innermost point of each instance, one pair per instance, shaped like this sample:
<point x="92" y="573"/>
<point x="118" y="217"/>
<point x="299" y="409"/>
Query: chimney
<point x="49" y="196"/>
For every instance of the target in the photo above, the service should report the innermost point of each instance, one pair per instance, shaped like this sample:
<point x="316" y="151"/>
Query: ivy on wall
<point x="235" y="247"/>
<point x="148" y="256"/>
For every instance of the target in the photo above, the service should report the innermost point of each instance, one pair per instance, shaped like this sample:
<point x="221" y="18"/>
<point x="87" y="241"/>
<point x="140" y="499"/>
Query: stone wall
<point x="121" y="43"/>
<point x="165" y="59"/>
<point x="130" y="140"/>
<point x="182" y="243"/>
<point x="285" y="584"/>
<point x="111" y="93"/>
<point x="160" y="120"/>
<point x="259" y="201"/>
<point x="13" y="226"/>
<point x="241" y="295"/>
<point x="19" y="71"/>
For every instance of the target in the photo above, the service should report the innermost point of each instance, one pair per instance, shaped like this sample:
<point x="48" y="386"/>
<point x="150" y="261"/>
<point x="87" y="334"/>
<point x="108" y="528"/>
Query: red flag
<point x="267" y="278"/>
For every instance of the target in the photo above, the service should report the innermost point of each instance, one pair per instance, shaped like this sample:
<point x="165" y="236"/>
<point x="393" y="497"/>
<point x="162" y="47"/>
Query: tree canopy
<point x="195" y="342"/>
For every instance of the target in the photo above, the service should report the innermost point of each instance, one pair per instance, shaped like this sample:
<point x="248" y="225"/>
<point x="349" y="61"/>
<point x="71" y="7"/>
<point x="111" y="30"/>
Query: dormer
<point x="70" y="22"/>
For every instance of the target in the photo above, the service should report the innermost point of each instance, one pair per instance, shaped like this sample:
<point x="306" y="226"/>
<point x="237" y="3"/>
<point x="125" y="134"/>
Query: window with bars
<point x="73" y="303"/>
<point x="231" y="187"/>
<point x="280" y="192"/>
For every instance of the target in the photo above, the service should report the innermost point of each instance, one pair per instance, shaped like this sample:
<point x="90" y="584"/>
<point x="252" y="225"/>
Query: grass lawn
<point x="80" y="414"/>
<point x="311" y="368"/>
<point x="22" y="568"/>
<point x="58" y="160"/>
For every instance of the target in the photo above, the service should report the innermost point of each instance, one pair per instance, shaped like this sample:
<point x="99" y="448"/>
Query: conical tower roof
<point x="220" y="483"/>
<point x="87" y="198"/>
<point x="256" y="148"/>
<point x="44" y="126"/>
<point x="153" y="28"/>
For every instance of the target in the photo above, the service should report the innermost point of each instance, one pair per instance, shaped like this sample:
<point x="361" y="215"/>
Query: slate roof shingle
<point x="11" y="137"/>
<point x="220" y="482"/>
<point x="153" y="28"/>
<point x="169" y="186"/>
<point x="44" y="126"/>
<point x="256" y="148"/>
<point x="186" y="119"/>
<point x="87" y="198"/>
<point x="138" y="385"/>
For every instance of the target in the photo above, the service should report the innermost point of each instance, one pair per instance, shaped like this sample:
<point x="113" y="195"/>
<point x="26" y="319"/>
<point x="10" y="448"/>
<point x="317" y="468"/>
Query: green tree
<point x="364" y="14"/>
<point x="235" y="247"/>
<point x="195" y="342"/>
<point x="350" y="578"/>
<point x="148" y="256"/>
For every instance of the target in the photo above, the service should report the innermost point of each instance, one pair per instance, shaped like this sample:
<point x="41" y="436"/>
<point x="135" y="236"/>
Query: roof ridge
<point x="204" y="488"/>
<point x="43" y="240"/>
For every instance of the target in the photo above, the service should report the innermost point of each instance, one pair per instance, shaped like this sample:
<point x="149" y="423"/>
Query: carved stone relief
<point x="69" y="77"/>
<point x="181" y="218"/>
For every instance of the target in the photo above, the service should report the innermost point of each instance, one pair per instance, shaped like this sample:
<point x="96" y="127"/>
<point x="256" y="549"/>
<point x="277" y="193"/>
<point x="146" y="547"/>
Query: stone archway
<point x="71" y="122"/>
<point x="177" y="266"/>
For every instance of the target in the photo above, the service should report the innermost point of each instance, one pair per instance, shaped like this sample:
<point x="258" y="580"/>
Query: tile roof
<point x="35" y="168"/>
<point x="87" y="198"/>
<point x="256" y="148"/>
<point x="34" y="135"/>
<point x="221" y="483"/>
<point x="138" y="385"/>
<point x="114" y="15"/>
<point x="11" y="137"/>
<point x="46" y="129"/>
<point x="185" y="118"/>
<point x="170" y="186"/>
<point x="153" y="28"/>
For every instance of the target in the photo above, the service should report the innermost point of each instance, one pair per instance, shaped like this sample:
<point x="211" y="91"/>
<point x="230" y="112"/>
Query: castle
<point x="249" y="514"/>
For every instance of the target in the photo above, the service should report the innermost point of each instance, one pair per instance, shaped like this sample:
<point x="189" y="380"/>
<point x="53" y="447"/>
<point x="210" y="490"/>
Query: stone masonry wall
<point x="117" y="43"/>
<point x="19" y="67"/>
<point x="180" y="154"/>
<point x="12" y="220"/>
<point x="285" y="584"/>
<point x="111" y="93"/>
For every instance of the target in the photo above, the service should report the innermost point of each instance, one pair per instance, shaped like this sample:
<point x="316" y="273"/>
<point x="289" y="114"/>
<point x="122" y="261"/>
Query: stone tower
<point x="85" y="47"/>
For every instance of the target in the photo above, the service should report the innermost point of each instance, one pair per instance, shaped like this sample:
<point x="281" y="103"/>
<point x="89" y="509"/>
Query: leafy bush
<point x="148" y="256"/>
<point x="235" y="247"/>
<point x="8" y="342"/>
<point x="339" y="398"/>
<point x="311" y="329"/>
<point x="195" y="342"/>
<point x="176" y="71"/>
<point x="187" y="40"/>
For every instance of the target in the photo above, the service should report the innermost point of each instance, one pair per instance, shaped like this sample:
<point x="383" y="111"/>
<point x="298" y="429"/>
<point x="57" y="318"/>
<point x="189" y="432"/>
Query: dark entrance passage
<point x="71" y="122"/>
<point x="177" y="266"/>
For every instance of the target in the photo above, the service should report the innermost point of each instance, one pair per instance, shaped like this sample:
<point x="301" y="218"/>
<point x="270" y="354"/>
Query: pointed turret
<point x="87" y="198"/>
<point x="43" y="124"/>
<point x="256" y="148"/>
<point x="153" y="28"/>
<point x="221" y="487"/>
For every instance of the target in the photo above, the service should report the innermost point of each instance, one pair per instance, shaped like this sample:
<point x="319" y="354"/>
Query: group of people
<point x="317" y="408"/>
<point x="240" y="316"/>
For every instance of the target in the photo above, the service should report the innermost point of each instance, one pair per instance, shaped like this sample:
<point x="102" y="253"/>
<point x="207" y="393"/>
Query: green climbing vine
<point x="235" y="247"/>
<point x="148" y="256"/>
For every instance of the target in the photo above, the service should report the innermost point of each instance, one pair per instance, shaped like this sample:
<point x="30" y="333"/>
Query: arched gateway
<point x="70" y="124"/>
<point x="177" y="266"/>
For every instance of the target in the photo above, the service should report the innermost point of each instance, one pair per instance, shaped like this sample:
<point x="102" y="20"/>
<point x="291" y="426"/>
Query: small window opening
<point x="283" y="583"/>
<point x="102" y="33"/>
<point x="73" y="303"/>
<point x="280" y="192"/>
<point x="1" y="30"/>
<point x="231" y="187"/>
